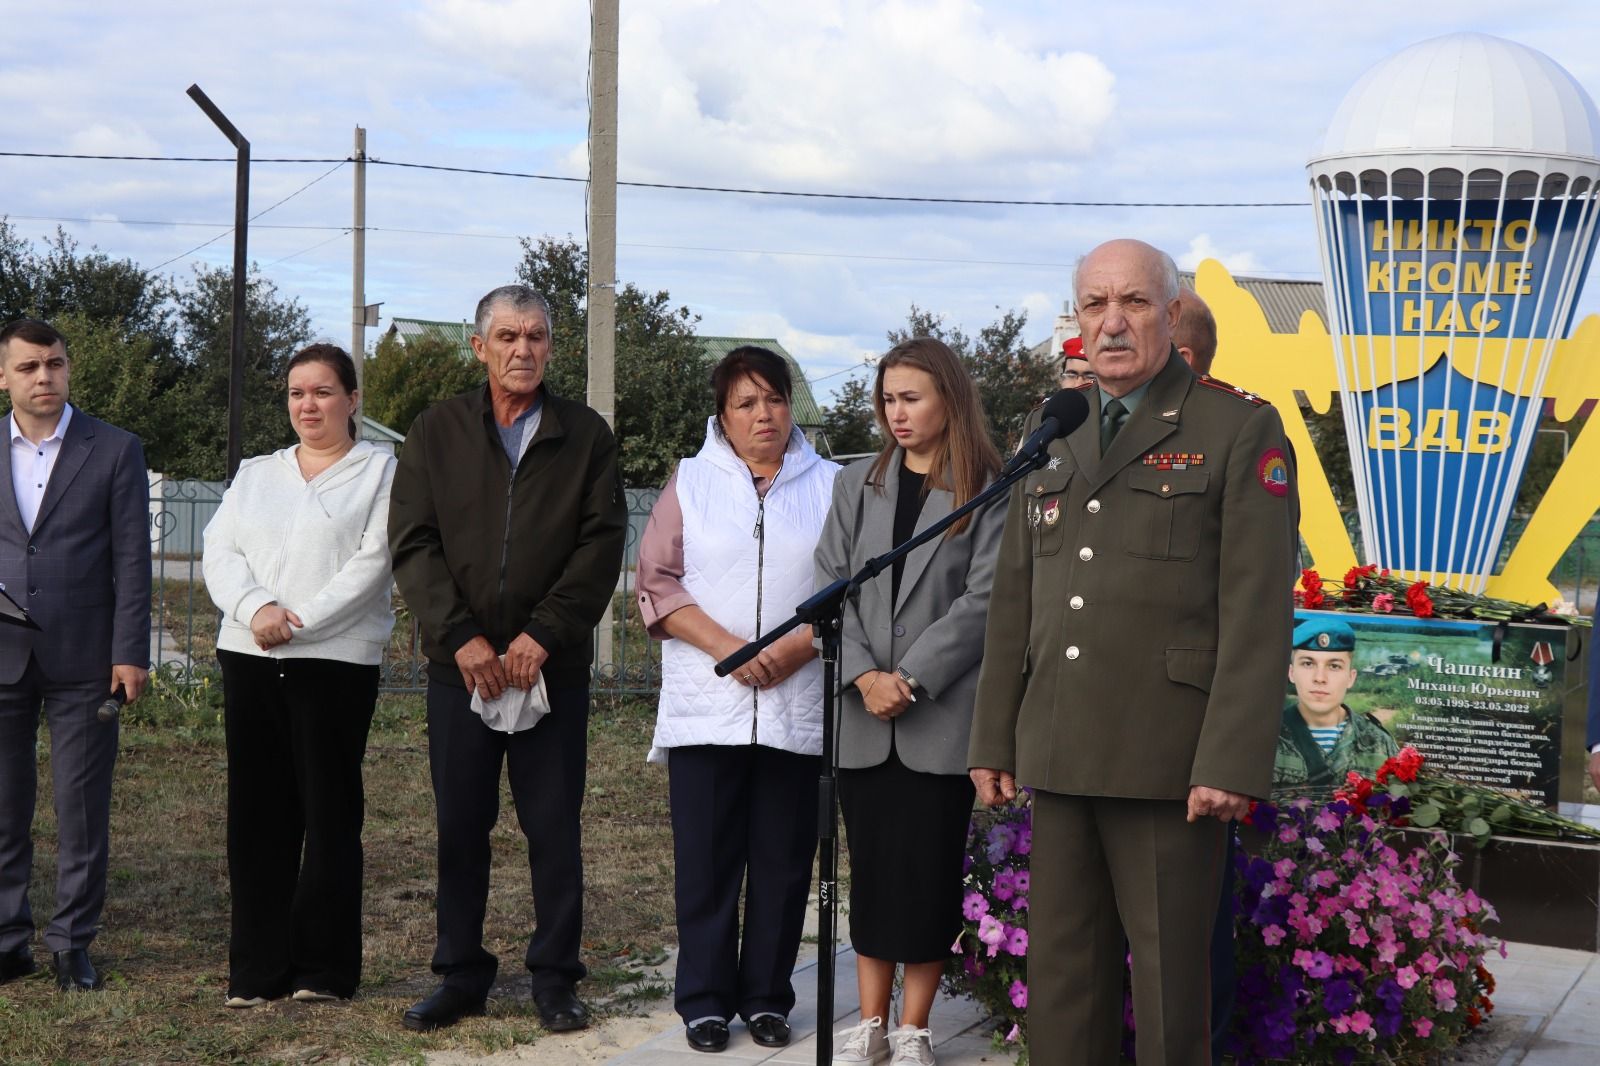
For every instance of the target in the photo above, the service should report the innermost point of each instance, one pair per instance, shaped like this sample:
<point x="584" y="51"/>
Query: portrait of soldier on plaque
<point x="1321" y="738"/>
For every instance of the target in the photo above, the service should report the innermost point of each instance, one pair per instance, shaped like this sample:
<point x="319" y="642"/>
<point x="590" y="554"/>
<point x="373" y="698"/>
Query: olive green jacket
<point x="1302" y="768"/>
<point x="1141" y="616"/>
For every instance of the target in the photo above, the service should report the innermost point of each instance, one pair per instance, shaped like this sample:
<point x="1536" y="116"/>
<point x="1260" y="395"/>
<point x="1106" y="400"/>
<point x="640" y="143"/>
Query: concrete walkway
<point x="1547" y="1013"/>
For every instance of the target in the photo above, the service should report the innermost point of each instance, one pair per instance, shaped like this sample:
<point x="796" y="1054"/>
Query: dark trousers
<point x="83" y="753"/>
<point x="546" y="766"/>
<point x="1224" y="980"/>
<point x="1096" y="860"/>
<point x="742" y="816"/>
<point x="296" y="734"/>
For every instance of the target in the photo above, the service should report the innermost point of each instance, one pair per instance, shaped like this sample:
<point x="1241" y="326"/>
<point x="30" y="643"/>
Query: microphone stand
<point x="825" y="612"/>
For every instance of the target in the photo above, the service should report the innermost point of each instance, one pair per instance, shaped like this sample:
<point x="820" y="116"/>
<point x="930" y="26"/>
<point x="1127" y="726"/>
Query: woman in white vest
<point x="908" y="661"/>
<point x="727" y="553"/>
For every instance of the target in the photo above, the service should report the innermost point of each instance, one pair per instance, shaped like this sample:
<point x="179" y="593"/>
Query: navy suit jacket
<point x="83" y="571"/>
<point x="1594" y="681"/>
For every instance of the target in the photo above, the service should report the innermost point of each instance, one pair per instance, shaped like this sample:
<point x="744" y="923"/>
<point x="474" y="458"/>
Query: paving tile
<point x="1552" y="1053"/>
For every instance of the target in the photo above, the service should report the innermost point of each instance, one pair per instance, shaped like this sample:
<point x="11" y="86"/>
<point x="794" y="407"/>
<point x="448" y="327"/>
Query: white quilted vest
<point x="748" y="582"/>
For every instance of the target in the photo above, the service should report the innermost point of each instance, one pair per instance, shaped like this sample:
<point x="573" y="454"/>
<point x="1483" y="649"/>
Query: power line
<point x="311" y="248"/>
<point x="724" y="189"/>
<point x="257" y="215"/>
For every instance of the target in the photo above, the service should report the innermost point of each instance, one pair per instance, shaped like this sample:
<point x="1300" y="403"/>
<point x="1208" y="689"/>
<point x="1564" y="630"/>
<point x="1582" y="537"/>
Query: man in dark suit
<point x="1135" y="679"/>
<point x="75" y="552"/>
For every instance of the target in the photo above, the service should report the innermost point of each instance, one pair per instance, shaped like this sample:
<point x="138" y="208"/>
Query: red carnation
<point x="1418" y="600"/>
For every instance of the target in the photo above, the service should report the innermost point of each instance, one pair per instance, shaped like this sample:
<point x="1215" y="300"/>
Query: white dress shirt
<point x="31" y="465"/>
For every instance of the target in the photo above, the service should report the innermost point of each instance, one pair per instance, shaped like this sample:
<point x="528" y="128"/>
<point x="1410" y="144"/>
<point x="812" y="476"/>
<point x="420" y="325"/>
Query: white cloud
<point x="846" y="96"/>
<point x="1202" y="247"/>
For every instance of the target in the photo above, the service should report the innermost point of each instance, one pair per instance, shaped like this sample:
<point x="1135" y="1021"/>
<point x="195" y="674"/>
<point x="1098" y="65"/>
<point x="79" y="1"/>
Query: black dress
<point x="906" y="830"/>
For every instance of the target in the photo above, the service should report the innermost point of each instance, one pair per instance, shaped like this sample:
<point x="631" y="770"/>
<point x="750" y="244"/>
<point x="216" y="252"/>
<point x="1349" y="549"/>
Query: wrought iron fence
<point x="184" y="620"/>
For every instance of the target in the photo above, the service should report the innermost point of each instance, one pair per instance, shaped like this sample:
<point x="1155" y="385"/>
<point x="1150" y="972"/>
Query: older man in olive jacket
<point x="507" y="522"/>
<point x="1135" y="678"/>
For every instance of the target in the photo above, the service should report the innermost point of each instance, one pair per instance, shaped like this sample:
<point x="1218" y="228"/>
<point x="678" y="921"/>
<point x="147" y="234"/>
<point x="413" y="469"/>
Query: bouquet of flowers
<point x="989" y="958"/>
<point x="1456" y="806"/>
<point x="1375" y="591"/>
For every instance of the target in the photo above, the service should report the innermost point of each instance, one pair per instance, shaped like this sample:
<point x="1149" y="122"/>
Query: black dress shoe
<point x="446" y="1006"/>
<point x="16" y="963"/>
<point x="74" y="971"/>
<point x="559" y="1009"/>
<point x="770" y="1030"/>
<point x="710" y="1034"/>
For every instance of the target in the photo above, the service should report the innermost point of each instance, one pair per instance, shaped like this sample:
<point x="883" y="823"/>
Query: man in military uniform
<point x="1135" y="679"/>
<point x="1321" y="739"/>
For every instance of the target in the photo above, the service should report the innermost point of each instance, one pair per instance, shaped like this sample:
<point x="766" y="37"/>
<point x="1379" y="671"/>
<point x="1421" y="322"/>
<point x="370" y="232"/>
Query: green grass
<point x="164" y="942"/>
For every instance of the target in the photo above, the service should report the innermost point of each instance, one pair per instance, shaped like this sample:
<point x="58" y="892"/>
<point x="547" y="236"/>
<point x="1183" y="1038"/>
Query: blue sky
<point x="1017" y="100"/>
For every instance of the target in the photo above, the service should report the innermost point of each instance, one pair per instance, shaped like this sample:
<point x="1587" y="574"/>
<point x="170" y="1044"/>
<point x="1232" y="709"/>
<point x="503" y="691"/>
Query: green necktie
<point x="1111" y="420"/>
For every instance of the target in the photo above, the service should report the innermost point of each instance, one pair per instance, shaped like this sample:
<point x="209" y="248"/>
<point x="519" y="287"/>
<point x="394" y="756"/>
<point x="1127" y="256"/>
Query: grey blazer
<point x="83" y="572"/>
<point x="935" y="631"/>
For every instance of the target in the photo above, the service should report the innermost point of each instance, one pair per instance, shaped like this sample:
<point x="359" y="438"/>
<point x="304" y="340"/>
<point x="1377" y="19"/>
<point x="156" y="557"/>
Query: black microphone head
<point x="1068" y="407"/>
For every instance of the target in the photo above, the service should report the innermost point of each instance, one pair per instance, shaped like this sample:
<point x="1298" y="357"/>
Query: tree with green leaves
<point x="403" y="377"/>
<point x="197" y="403"/>
<point x="663" y="376"/>
<point x="850" y="424"/>
<point x="1011" y="380"/>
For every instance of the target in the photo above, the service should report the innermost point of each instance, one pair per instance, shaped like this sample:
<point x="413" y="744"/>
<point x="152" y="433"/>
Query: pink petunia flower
<point x="1019" y="995"/>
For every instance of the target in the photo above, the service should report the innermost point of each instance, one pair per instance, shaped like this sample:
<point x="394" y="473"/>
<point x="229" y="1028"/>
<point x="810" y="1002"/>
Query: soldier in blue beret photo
<point x="1321" y="739"/>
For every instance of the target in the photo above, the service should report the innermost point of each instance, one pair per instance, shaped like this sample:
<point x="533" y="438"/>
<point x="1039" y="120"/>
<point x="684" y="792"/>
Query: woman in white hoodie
<point x="727" y="552"/>
<point x="297" y="560"/>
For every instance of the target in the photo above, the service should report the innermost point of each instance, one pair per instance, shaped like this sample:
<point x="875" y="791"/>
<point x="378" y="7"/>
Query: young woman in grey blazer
<point x="909" y="663"/>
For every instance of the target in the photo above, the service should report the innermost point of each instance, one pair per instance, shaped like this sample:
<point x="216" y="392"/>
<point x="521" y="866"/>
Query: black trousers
<point x="296" y="735"/>
<point x="83" y="752"/>
<point x="742" y="816"/>
<point x="546" y="766"/>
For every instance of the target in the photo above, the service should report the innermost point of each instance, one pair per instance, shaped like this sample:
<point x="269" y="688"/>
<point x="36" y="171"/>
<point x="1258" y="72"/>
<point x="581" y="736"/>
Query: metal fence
<point x="627" y="662"/>
<point x="184" y="621"/>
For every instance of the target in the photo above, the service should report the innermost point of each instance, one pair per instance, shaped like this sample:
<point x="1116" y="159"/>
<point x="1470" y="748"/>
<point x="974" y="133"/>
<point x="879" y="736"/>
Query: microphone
<point x="1063" y="413"/>
<point x="111" y="708"/>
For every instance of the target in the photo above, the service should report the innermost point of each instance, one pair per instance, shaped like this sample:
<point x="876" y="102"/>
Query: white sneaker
<point x="861" y="1043"/>
<point x="242" y="1002"/>
<point x="912" y="1047"/>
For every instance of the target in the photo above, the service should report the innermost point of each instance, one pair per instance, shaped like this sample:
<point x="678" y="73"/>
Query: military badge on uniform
<point x="1052" y="512"/>
<point x="1055" y="461"/>
<point x="1174" y="460"/>
<point x="1033" y="514"/>
<point x="1273" y="472"/>
<point x="1323" y="640"/>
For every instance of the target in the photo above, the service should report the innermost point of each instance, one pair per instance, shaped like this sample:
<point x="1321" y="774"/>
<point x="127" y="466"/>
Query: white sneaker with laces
<point x="912" y="1046"/>
<point x="863" y="1043"/>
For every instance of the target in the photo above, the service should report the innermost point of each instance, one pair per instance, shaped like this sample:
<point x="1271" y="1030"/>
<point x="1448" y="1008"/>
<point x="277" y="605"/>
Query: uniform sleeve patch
<point x="1273" y="472"/>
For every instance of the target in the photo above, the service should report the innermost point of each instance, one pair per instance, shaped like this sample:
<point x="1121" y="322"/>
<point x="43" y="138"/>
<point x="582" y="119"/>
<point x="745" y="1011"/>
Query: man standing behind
<point x="1075" y="372"/>
<point x="74" y="551"/>
<point x="1195" y="337"/>
<point x="1136" y="682"/>
<point x="506" y="523"/>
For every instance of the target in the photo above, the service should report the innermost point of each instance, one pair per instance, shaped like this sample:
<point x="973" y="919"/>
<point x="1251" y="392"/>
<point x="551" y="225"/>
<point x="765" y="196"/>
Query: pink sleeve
<point x="660" y="574"/>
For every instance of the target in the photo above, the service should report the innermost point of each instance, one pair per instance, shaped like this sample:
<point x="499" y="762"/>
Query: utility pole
<point x="602" y="301"/>
<point x="602" y="297"/>
<point x="241" y="229"/>
<point x="358" y="265"/>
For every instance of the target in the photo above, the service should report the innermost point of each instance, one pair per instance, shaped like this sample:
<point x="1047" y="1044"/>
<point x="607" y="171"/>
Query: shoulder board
<point x="1235" y="391"/>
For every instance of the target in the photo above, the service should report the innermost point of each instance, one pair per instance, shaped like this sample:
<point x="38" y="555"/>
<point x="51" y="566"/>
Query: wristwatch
<point x="910" y="681"/>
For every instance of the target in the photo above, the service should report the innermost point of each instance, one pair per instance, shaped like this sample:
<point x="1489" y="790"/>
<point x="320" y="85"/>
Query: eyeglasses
<point x="1070" y="378"/>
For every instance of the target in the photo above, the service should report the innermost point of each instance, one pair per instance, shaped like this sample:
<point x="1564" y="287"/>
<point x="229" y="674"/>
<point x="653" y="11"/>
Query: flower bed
<point x="1349" y="949"/>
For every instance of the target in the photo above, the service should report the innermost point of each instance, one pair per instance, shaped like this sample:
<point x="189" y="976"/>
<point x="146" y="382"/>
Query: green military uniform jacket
<point x="1303" y="769"/>
<point x="1141" y="616"/>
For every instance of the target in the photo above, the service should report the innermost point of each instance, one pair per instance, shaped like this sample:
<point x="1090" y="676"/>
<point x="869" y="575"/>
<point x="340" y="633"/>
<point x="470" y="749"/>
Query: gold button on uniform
<point x="1072" y="651"/>
<point x="1076" y="603"/>
<point x="1086" y="554"/>
<point x="1093" y="507"/>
